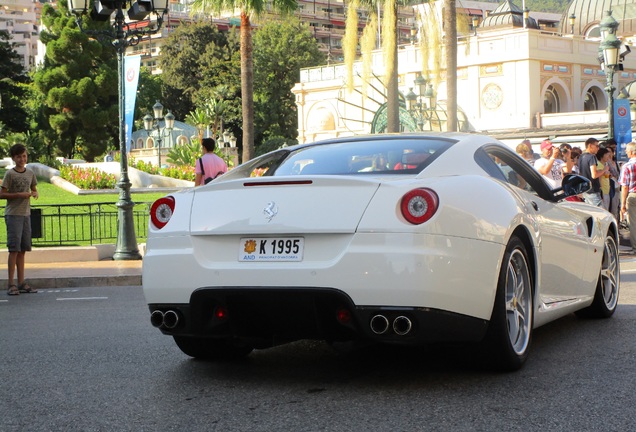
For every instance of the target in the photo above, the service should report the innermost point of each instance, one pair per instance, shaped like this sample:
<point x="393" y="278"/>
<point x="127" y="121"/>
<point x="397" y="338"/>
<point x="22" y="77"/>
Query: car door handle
<point x="534" y="205"/>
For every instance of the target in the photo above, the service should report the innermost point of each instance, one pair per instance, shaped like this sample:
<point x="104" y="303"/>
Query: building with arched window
<point x="145" y="146"/>
<point x="517" y="77"/>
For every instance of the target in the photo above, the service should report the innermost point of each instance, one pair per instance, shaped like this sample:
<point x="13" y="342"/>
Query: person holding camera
<point x="550" y="165"/>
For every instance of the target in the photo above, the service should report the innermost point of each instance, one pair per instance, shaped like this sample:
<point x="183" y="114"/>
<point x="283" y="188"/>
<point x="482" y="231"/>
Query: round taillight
<point x="161" y="211"/>
<point x="419" y="205"/>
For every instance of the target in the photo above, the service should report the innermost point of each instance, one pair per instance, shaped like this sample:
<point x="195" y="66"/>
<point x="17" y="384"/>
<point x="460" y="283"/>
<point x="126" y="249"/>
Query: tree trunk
<point x="247" y="86"/>
<point x="393" y="101"/>
<point x="450" y="42"/>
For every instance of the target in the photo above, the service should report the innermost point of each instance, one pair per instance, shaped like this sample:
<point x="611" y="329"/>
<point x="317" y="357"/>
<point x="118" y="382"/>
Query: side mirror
<point x="573" y="184"/>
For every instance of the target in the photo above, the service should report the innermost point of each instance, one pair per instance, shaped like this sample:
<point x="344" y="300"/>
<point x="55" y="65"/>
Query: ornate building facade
<point x="516" y="78"/>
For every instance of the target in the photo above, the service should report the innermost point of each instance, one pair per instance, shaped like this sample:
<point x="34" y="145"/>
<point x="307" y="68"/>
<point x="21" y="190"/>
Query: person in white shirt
<point x="550" y="166"/>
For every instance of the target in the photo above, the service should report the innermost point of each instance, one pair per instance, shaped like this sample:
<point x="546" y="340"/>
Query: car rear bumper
<point x="270" y="316"/>
<point x="421" y="271"/>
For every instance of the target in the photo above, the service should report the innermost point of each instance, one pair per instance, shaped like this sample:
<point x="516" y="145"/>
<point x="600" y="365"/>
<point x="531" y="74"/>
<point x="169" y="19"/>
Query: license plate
<point x="271" y="249"/>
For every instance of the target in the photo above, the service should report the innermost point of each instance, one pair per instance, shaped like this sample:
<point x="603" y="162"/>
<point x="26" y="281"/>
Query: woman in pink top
<point x="209" y="166"/>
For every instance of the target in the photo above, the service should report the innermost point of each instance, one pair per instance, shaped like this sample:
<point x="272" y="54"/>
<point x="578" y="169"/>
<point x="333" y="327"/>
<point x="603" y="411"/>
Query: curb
<point x="56" y="275"/>
<point x="84" y="282"/>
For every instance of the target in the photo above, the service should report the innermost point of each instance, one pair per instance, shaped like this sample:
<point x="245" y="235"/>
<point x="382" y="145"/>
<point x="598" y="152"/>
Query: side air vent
<point x="590" y="225"/>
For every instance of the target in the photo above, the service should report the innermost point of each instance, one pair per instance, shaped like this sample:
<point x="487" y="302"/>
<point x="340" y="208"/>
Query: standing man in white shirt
<point x="550" y="166"/>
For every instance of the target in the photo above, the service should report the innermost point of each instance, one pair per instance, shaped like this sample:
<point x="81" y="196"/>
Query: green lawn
<point x="51" y="194"/>
<point x="80" y="226"/>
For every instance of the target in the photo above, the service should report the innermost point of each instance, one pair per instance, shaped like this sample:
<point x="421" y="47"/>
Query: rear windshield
<point x="391" y="156"/>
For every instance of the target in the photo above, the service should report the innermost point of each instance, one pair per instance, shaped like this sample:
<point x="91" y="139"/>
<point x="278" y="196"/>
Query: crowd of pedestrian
<point x="613" y="188"/>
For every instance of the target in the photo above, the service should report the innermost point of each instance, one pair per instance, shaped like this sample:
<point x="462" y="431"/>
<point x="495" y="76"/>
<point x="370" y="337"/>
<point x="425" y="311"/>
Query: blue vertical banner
<point x="131" y="67"/>
<point x="622" y="127"/>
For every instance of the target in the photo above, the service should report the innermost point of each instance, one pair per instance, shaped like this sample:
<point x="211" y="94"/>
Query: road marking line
<point x="83" y="298"/>
<point x="58" y="290"/>
<point x="4" y="301"/>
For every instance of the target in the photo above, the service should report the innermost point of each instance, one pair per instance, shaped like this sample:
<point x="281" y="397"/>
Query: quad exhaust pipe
<point x="168" y="319"/>
<point x="401" y="325"/>
<point x="379" y="324"/>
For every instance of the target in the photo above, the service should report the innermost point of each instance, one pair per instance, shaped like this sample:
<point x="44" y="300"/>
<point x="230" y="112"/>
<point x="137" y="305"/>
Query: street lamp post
<point x="422" y="104"/>
<point x="151" y="123"/>
<point x="475" y="22"/>
<point x="610" y="47"/>
<point x="572" y="21"/>
<point x="122" y="35"/>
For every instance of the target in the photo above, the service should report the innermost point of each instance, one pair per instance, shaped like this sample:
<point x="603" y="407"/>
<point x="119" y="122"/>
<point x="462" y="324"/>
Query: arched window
<point x="551" y="101"/>
<point x="591" y="100"/>
<point x="593" y="32"/>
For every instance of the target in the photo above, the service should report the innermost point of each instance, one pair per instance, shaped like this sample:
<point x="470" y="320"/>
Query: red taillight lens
<point x="419" y="205"/>
<point x="220" y="313"/>
<point x="343" y="315"/>
<point x="161" y="211"/>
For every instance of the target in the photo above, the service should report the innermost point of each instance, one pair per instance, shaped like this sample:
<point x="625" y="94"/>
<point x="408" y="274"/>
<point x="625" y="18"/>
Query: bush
<point x="88" y="178"/>
<point x="185" y="154"/>
<point x="274" y="143"/>
<point x="179" y="172"/>
<point x="146" y="167"/>
<point x="50" y="161"/>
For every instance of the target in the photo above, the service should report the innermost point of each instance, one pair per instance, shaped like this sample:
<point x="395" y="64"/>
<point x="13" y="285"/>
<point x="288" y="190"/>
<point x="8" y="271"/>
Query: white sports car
<point x="398" y="239"/>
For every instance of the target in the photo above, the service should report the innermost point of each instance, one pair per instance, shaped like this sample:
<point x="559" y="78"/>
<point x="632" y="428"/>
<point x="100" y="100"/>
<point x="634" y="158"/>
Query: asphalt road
<point x="87" y="359"/>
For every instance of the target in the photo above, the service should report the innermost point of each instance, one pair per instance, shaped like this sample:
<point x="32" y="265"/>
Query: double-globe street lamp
<point x="227" y="138"/>
<point x="610" y="47"/>
<point x="421" y="105"/>
<point x="151" y="124"/>
<point x="145" y="19"/>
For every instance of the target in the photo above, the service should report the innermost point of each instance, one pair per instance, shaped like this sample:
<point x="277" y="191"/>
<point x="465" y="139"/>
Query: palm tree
<point x="450" y="16"/>
<point x="389" y="47"/>
<point x="198" y="118"/>
<point x="248" y="8"/>
<point x="390" y="41"/>
<point x="215" y="109"/>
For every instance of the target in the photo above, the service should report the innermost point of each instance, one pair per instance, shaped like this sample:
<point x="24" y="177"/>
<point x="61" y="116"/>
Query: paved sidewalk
<point x="76" y="274"/>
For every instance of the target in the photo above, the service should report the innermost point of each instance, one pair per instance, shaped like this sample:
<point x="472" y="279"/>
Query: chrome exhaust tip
<point x="379" y="324"/>
<point x="170" y="319"/>
<point x="156" y="318"/>
<point x="402" y="325"/>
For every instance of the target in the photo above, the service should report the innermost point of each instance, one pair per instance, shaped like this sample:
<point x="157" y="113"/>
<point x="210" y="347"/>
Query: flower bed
<point x="88" y="178"/>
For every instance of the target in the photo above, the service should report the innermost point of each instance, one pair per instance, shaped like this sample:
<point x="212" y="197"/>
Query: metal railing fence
<point x="79" y="224"/>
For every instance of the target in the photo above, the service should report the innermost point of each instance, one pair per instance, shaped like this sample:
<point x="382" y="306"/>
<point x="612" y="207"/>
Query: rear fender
<point x="473" y="207"/>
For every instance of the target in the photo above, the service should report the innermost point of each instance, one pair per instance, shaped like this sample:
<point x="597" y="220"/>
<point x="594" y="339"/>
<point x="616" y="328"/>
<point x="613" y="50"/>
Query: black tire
<point x="509" y="334"/>
<point x="212" y="349"/>
<point x="607" y="286"/>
